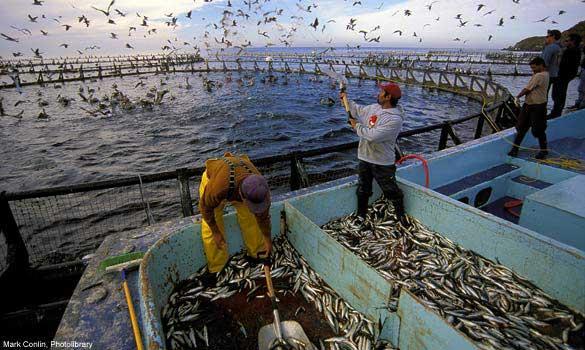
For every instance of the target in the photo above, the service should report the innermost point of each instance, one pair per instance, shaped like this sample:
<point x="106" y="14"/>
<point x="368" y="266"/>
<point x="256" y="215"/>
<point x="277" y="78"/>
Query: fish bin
<point x="450" y="278"/>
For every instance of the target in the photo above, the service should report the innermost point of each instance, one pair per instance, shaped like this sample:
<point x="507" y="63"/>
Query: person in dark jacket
<point x="580" y="103"/>
<point x="568" y="67"/>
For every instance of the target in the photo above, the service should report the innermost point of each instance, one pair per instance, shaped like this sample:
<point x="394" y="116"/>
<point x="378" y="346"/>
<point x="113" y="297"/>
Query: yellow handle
<point x="135" y="327"/>
<point x="269" y="281"/>
<point x="345" y="104"/>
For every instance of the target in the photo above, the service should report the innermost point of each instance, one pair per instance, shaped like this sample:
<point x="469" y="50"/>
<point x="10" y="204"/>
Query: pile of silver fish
<point x="485" y="300"/>
<point x="185" y="320"/>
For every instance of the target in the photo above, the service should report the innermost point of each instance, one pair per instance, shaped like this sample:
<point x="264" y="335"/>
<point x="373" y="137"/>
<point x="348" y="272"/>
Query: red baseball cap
<point x="391" y="89"/>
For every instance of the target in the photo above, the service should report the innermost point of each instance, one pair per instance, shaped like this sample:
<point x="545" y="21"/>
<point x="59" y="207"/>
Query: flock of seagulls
<point x="275" y="23"/>
<point x="95" y="102"/>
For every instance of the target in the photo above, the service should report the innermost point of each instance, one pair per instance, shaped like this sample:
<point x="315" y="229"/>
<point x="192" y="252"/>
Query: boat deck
<point x="572" y="148"/>
<point x="97" y="311"/>
<point x="548" y="193"/>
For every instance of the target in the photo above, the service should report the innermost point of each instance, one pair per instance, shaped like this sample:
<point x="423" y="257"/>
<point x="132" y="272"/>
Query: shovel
<point x="281" y="335"/>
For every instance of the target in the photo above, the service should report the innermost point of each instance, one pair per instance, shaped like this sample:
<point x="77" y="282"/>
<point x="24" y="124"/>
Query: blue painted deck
<point x="549" y="208"/>
<point x="476" y="179"/>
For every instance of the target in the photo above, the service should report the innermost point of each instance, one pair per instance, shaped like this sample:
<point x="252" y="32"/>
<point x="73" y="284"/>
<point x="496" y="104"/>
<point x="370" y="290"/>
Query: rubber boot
<point x="362" y="203"/>
<point x="399" y="209"/>
<point x="543" y="148"/>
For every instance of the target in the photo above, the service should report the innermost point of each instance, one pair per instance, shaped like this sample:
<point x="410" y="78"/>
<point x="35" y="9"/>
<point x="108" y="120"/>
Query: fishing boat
<point x="538" y="237"/>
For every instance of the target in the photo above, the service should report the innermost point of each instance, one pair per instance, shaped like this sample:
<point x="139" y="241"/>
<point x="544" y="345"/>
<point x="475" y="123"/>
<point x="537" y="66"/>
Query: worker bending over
<point x="233" y="179"/>
<point x="378" y="126"/>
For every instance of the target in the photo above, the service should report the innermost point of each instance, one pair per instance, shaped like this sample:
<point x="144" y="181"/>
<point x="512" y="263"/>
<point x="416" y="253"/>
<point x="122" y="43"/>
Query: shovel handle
<point x="277" y="329"/>
<point x="269" y="281"/>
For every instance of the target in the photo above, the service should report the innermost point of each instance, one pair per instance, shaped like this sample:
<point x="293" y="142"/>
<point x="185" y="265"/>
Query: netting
<point x="65" y="227"/>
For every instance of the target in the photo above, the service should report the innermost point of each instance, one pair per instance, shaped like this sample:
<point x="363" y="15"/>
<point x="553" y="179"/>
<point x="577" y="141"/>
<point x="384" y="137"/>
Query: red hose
<point x="424" y="163"/>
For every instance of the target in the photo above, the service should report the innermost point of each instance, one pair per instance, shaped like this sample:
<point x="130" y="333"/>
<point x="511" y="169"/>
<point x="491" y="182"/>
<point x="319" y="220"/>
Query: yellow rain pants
<point x="251" y="233"/>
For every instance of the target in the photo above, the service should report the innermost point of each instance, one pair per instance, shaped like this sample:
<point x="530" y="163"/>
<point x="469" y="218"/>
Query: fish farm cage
<point x="45" y="233"/>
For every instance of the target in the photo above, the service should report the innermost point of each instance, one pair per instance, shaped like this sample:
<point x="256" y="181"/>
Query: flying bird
<point x="315" y="24"/>
<point x="8" y="38"/>
<point x="106" y="12"/>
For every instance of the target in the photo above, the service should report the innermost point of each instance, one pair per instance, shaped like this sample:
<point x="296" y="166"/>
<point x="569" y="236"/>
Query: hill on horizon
<point x="536" y="43"/>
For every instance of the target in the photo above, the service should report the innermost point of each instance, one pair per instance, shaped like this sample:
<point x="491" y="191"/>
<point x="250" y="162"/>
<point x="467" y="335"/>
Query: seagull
<point x="38" y="2"/>
<point x="33" y="19"/>
<point x="8" y="38"/>
<point x="315" y="24"/>
<point x="107" y="12"/>
<point x="37" y="53"/>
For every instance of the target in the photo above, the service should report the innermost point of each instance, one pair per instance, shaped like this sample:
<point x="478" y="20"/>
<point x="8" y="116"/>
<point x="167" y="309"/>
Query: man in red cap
<point x="233" y="179"/>
<point x="378" y="126"/>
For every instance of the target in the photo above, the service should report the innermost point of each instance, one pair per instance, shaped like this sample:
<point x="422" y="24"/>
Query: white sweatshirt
<point x="378" y="129"/>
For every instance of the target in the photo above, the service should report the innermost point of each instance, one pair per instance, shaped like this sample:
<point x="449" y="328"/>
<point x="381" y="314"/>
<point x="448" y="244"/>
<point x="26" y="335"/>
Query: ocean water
<point x="192" y="124"/>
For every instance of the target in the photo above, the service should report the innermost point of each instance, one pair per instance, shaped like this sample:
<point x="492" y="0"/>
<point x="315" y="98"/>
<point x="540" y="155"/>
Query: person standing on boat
<point x="533" y="113"/>
<point x="236" y="180"/>
<point x="551" y="54"/>
<point x="580" y="102"/>
<point x="568" y="68"/>
<point x="378" y="126"/>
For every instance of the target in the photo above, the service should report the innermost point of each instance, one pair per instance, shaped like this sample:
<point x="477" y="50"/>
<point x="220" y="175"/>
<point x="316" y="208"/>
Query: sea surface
<point x="71" y="146"/>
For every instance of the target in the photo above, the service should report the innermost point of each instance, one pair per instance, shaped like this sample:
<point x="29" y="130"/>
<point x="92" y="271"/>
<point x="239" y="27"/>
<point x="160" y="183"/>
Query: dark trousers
<point x="385" y="176"/>
<point x="559" y="96"/>
<point x="532" y="117"/>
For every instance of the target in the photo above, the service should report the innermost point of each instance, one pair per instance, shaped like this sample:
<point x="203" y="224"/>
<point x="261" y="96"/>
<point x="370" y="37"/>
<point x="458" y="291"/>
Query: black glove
<point x="264" y="258"/>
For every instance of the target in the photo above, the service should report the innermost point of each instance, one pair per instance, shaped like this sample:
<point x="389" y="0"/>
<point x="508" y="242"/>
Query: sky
<point x="300" y="23"/>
